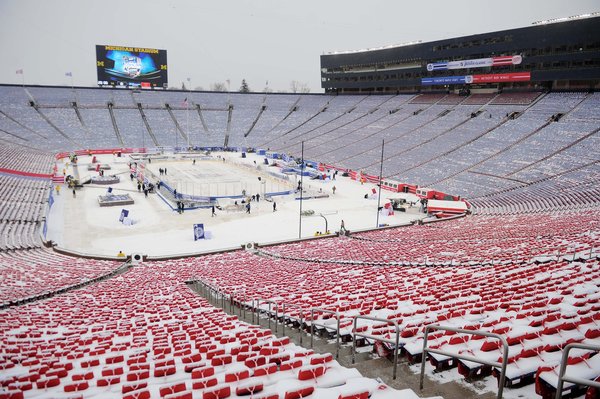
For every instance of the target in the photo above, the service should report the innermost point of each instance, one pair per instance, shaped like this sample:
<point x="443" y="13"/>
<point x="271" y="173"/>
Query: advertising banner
<point x="123" y="215"/>
<point x="475" y="63"/>
<point x="502" y="77"/>
<point x="198" y="231"/>
<point x="444" y="80"/>
<point x="477" y="79"/>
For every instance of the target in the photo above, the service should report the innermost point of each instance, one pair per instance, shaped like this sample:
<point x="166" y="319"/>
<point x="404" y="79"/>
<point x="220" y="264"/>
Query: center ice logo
<point x="132" y="66"/>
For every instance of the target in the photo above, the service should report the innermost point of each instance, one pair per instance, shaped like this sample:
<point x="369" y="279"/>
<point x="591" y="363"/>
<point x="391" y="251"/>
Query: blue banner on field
<point x="446" y="80"/>
<point x="124" y="214"/>
<point x="198" y="231"/>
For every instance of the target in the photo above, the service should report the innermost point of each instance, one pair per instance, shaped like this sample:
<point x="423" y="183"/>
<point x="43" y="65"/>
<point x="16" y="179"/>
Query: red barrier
<point x="25" y="174"/>
<point x="131" y="150"/>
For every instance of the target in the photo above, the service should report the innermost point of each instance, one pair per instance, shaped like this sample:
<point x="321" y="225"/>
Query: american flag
<point x="19" y="72"/>
<point x="69" y="74"/>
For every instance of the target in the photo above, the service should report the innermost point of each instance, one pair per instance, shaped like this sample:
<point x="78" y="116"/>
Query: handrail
<point x="313" y="324"/>
<point x="563" y="368"/>
<point x="270" y="302"/>
<point x="243" y="305"/>
<point x="301" y="318"/>
<point x="210" y="291"/>
<point x="377" y="338"/>
<point x="502" y="365"/>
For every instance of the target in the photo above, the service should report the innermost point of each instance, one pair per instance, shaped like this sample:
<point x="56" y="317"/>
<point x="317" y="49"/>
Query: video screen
<point x="123" y="66"/>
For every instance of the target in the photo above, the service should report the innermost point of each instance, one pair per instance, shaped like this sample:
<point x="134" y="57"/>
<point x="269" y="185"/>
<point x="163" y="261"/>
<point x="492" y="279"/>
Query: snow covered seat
<point x="582" y="365"/>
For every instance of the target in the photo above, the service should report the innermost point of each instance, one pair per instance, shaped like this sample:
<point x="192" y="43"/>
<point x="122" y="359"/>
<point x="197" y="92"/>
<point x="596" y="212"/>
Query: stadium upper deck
<point x="561" y="55"/>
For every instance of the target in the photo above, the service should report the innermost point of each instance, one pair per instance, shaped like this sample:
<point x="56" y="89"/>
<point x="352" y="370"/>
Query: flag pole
<point x="301" y="189"/>
<point x="187" y="111"/>
<point x="380" y="185"/>
<point x="176" y="135"/>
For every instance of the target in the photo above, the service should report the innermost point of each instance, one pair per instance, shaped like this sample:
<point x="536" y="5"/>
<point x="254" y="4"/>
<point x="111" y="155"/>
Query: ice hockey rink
<point x="79" y="224"/>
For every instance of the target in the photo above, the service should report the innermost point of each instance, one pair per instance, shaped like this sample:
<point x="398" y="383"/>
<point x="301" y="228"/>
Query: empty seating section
<point x="466" y="241"/>
<point x="335" y="113"/>
<point x="164" y="128"/>
<point x="587" y="110"/>
<point x="18" y="121"/>
<point x="144" y="330"/>
<point x="22" y="207"/>
<point x="129" y="121"/>
<point x="449" y="160"/>
<point x="190" y="123"/>
<point x="479" y="99"/>
<point x="145" y="334"/>
<point x="574" y="189"/>
<point x="451" y="99"/>
<point x="99" y="128"/>
<point x="35" y="272"/>
<point x="23" y="195"/>
<point x="395" y="135"/>
<point x="19" y="235"/>
<point x="277" y="108"/>
<point x="548" y="140"/>
<point x="352" y="148"/>
<point x="515" y="98"/>
<point x="29" y="160"/>
<point x="333" y="134"/>
<point x="428" y="98"/>
<point x="337" y="129"/>
<point x="458" y="125"/>
<point x="533" y="282"/>
<point x="246" y="109"/>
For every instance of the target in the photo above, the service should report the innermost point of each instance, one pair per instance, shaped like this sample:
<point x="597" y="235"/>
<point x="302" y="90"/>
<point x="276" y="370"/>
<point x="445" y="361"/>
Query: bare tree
<point x="299" y="87"/>
<point x="219" y="86"/>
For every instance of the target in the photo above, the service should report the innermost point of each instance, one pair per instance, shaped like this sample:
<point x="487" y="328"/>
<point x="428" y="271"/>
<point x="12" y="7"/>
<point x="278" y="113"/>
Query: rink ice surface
<point x="80" y="224"/>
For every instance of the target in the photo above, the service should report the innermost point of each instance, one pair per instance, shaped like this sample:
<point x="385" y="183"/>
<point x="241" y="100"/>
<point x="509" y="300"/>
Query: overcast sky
<point x="211" y="41"/>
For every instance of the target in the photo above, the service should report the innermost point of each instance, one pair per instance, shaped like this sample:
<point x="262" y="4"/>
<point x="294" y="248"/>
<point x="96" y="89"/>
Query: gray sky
<point x="260" y="40"/>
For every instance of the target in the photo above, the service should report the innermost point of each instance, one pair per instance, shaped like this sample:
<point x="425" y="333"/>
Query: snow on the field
<point x="80" y="224"/>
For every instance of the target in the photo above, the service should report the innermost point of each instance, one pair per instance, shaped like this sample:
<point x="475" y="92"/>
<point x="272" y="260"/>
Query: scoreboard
<point x="134" y="67"/>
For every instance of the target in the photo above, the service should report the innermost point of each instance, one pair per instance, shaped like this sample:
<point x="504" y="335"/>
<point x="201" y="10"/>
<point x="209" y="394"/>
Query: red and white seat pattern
<point x="538" y="308"/>
<point x="26" y="274"/>
<point x="146" y="334"/>
<point x="470" y="240"/>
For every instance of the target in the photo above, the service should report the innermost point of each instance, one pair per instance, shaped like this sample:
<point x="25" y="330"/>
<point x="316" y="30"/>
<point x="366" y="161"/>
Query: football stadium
<point x="426" y="227"/>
